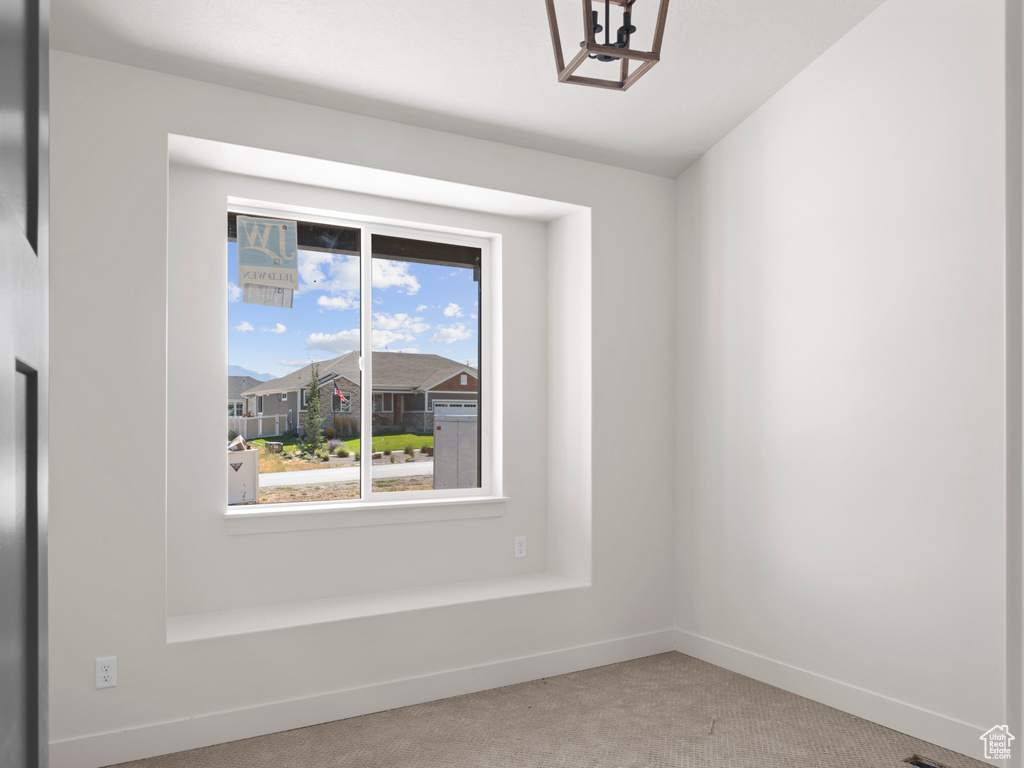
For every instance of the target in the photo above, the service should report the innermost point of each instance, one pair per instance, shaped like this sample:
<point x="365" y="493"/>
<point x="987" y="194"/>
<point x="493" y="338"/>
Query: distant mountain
<point x="237" y="370"/>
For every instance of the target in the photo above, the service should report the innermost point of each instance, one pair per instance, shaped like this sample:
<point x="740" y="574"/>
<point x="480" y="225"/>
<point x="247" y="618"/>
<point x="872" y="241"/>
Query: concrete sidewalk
<point x="343" y="474"/>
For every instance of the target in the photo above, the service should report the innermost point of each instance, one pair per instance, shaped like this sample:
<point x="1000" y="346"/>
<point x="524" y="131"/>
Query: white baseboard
<point x="219" y="727"/>
<point x="898" y="715"/>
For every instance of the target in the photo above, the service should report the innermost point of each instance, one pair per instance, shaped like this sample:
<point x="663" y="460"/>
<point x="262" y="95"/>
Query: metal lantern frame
<point x="590" y="48"/>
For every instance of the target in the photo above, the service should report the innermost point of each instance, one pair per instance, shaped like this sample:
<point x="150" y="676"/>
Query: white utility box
<point x="243" y="476"/>
<point x="455" y="451"/>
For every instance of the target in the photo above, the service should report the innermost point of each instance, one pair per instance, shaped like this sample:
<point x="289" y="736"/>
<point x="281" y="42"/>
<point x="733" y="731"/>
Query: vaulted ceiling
<point x="481" y="68"/>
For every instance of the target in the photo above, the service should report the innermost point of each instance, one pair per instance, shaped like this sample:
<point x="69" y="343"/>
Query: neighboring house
<point x="237" y="385"/>
<point x="406" y="388"/>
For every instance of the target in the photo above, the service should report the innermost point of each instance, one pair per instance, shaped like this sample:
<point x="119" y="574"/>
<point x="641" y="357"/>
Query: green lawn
<point x="380" y="443"/>
<point x="394" y="442"/>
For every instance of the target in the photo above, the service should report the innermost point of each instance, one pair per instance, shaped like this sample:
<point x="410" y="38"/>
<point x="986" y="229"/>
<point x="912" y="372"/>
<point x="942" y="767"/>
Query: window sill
<point x="204" y="626"/>
<point x="276" y="518"/>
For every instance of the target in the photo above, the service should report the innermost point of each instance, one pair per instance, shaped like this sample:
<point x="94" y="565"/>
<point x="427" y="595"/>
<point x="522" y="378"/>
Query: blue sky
<point x="416" y="308"/>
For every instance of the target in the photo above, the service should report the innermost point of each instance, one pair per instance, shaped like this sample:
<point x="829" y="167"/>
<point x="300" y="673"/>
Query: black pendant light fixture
<point x="598" y="44"/>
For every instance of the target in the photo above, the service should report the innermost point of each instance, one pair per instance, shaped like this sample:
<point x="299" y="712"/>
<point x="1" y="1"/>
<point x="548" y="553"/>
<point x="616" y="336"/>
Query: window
<point x="341" y="404"/>
<point x="383" y="402"/>
<point x="414" y="403"/>
<point x="390" y="310"/>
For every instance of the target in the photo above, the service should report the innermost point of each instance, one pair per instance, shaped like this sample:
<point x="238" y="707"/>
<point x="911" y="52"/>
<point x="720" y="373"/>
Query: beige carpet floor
<point x="655" y="712"/>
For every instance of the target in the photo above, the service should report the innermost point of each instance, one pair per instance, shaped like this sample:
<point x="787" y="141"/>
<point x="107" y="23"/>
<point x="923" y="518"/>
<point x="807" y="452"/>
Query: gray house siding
<point x="273" y="405"/>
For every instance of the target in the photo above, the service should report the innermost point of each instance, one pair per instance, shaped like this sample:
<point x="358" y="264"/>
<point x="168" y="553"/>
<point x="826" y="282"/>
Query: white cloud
<point x="389" y="331"/>
<point x="388" y="322"/>
<point x="451" y="333"/>
<point x="234" y="293"/>
<point x="382" y="339"/>
<point x="399" y="322"/>
<point x="277" y="329"/>
<point x="453" y="310"/>
<point x="421" y="308"/>
<point x="394" y="274"/>
<point x="344" y="273"/>
<point x="343" y="341"/>
<point x="338" y="302"/>
<point x="244" y="327"/>
<point x="311" y="272"/>
<point x="335" y="274"/>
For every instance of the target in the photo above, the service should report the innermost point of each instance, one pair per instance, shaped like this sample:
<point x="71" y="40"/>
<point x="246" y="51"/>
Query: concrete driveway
<point x="342" y="474"/>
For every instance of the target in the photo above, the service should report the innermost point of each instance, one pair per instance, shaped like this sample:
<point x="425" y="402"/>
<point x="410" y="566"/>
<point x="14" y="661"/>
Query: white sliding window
<point x="347" y="331"/>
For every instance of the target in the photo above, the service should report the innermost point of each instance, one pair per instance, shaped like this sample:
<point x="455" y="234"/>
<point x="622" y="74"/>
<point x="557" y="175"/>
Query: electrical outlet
<point x="520" y="546"/>
<point x="106" y="672"/>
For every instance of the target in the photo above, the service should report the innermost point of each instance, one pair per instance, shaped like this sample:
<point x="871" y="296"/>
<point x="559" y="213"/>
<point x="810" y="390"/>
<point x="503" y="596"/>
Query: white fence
<point x="251" y="427"/>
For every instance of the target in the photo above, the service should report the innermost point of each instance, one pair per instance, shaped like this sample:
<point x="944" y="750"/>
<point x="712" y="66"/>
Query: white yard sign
<point x="268" y="263"/>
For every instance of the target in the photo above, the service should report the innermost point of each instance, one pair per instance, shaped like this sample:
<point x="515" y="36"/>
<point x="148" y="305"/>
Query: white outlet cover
<point x="520" y="549"/>
<point x="106" y="672"/>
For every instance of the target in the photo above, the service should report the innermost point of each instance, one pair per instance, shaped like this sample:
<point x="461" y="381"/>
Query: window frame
<point x="489" y="484"/>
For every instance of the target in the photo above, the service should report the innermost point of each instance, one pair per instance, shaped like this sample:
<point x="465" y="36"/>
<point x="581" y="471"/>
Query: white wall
<point x="832" y="321"/>
<point x="840" y="353"/>
<point x="109" y="505"/>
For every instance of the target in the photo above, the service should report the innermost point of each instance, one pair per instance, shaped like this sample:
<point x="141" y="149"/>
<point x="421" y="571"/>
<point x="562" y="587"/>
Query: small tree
<point x="314" y="419"/>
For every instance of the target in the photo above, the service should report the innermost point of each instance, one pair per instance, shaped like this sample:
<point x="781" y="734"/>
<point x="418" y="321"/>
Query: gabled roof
<point x="413" y="371"/>
<point x="238" y="384"/>
<point x="392" y="371"/>
<point x="444" y="375"/>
